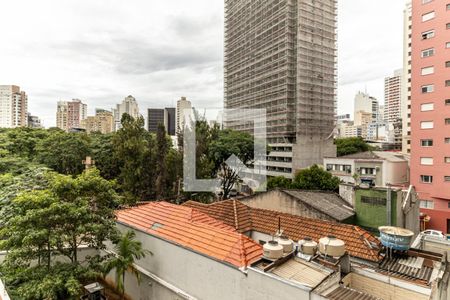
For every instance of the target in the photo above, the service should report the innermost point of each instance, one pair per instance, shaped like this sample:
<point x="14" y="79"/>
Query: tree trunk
<point x="123" y="285"/>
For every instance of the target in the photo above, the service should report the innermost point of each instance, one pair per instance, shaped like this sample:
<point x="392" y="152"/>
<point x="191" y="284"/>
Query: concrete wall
<point x="395" y="173"/>
<point x="199" y="276"/>
<point x="381" y="289"/>
<point x="278" y="201"/>
<point x="373" y="216"/>
<point x="347" y="192"/>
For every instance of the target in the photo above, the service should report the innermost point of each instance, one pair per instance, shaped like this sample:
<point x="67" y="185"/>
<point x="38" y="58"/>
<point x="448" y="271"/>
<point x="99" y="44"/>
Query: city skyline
<point x="102" y="62"/>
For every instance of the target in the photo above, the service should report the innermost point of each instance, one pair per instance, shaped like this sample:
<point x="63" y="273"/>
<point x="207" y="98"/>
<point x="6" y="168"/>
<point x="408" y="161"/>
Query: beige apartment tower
<point x="280" y="55"/>
<point x="69" y="114"/>
<point x="13" y="107"/>
<point x="102" y="122"/>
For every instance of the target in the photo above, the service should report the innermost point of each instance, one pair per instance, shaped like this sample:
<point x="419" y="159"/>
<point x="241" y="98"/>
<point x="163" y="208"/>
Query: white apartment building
<point x="182" y="105"/>
<point x="406" y="84"/>
<point x="13" y="107"/>
<point x="130" y="106"/>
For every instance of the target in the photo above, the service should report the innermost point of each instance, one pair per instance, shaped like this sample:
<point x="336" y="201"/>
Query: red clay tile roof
<point x="192" y="229"/>
<point x="358" y="241"/>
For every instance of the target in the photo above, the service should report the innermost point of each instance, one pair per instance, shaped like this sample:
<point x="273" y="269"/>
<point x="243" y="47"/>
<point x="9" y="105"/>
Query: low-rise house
<point x="377" y="168"/>
<point x="261" y="224"/>
<point x="312" y="204"/>
<point x="198" y="257"/>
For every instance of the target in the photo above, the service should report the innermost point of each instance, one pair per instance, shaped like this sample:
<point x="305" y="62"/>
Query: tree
<point x="316" y="178"/>
<point x="102" y="151"/>
<point x="54" y="222"/>
<point x="346" y="146"/>
<point x="228" y="143"/>
<point x="162" y="148"/>
<point x="134" y="151"/>
<point x="127" y="251"/>
<point x="64" y="152"/>
<point x="22" y="141"/>
<point x="279" y="182"/>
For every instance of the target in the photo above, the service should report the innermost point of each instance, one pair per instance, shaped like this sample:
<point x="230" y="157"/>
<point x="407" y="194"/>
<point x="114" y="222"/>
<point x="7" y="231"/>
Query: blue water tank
<point x="395" y="237"/>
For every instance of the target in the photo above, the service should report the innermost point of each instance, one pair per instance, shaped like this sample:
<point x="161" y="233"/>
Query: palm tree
<point x="127" y="251"/>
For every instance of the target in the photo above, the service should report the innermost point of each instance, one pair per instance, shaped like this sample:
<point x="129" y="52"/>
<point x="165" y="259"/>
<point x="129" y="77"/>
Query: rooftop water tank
<point x="331" y="246"/>
<point x="307" y="246"/>
<point x="286" y="243"/>
<point x="395" y="237"/>
<point x="272" y="250"/>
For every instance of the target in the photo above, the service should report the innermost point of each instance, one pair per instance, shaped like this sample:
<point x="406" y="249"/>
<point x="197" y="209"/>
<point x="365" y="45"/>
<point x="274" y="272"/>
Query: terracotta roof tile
<point x="194" y="230"/>
<point x="359" y="243"/>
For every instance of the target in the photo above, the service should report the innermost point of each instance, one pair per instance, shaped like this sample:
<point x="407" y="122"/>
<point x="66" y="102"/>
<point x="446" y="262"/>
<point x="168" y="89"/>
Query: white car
<point x="434" y="233"/>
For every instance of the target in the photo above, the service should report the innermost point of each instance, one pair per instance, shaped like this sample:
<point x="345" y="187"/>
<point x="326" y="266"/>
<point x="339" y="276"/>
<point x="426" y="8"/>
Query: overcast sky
<point x="100" y="51"/>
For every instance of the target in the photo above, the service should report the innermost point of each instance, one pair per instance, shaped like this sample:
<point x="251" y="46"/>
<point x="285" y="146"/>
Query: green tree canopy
<point x="316" y="178"/>
<point x="346" y="146"/>
<point x="279" y="182"/>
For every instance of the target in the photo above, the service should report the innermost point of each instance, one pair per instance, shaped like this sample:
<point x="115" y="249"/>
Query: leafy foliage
<point x="316" y="178"/>
<point x="279" y="182"/>
<point x="346" y="146"/>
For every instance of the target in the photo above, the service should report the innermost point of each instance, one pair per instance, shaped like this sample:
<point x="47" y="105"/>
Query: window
<point x="427" y="125"/>
<point x="427" y="107"/>
<point x="368" y="171"/>
<point x="447" y="64"/>
<point x="447" y="83"/>
<point x="426" y="143"/>
<point x="426" y="161"/>
<point x="448" y="6"/>
<point x="428" y="16"/>
<point x="447" y="160"/>
<point x="427" y="88"/>
<point x="447" y="45"/>
<point x="447" y="140"/>
<point x="427" y="35"/>
<point x="447" y="121"/>
<point x="448" y="25"/>
<point x="426" y="204"/>
<point x="427" y="52"/>
<point x="447" y="178"/>
<point x="426" y="1"/>
<point x="426" y="179"/>
<point x="373" y="201"/>
<point x="447" y="101"/>
<point x="427" y="71"/>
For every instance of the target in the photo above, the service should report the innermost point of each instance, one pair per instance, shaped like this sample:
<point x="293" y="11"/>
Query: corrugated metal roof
<point x="345" y="293"/>
<point x="410" y="267"/>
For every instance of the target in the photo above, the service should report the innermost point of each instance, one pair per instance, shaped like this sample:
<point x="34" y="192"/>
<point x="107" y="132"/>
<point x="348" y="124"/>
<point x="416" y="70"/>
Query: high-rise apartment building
<point x="102" y="122"/>
<point x="182" y="105"/>
<point x="34" y="121"/>
<point x="13" y="107"/>
<point x="69" y="114"/>
<point x="393" y="107"/>
<point x="164" y="116"/>
<point x="280" y="55"/>
<point x="130" y="106"/>
<point x="406" y="84"/>
<point x="366" y="103"/>
<point x="430" y="109"/>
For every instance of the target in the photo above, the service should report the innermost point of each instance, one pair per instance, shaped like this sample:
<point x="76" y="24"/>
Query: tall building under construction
<point x="280" y="55"/>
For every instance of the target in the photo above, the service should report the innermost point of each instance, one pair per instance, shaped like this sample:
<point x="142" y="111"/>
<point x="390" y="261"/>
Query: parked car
<point x="434" y="233"/>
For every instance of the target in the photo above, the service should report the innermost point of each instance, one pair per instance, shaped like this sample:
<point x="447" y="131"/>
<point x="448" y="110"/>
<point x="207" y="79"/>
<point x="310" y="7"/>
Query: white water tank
<point x="286" y="243"/>
<point x="272" y="250"/>
<point x="307" y="246"/>
<point x="331" y="246"/>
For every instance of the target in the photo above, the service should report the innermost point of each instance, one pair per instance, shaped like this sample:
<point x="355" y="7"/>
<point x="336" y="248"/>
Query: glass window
<point x="447" y="160"/>
<point x="447" y="101"/>
<point x="426" y="143"/>
<point x="447" y="64"/>
<point x="447" y="45"/>
<point x="428" y="34"/>
<point x="428" y="52"/>
<point x="447" y="140"/>
<point x="426" y="204"/>
<point x="447" y="121"/>
<point x="447" y="178"/>
<point x="426" y="1"/>
<point x="448" y="25"/>
<point x="447" y="83"/>
<point x="426" y="178"/>
<point x="427" y="88"/>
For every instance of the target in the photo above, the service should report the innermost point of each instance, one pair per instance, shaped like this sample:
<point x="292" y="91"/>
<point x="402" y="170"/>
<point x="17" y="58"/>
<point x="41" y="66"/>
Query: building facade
<point x="393" y="112"/>
<point x="129" y="106"/>
<point x="366" y="103"/>
<point x="430" y="109"/>
<point x="281" y="56"/>
<point x="406" y="84"/>
<point x="70" y="114"/>
<point x="182" y="105"/>
<point x="13" y="107"/>
<point x="34" y="121"/>
<point x="155" y="118"/>
<point x="102" y="122"/>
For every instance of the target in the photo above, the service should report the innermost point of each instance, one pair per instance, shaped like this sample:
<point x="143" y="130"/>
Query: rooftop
<point x="329" y="203"/>
<point x="193" y="230"/>
<point x="375" y="155"/>
<point x="359" y="243"/>
<point x="345" y="293"/>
